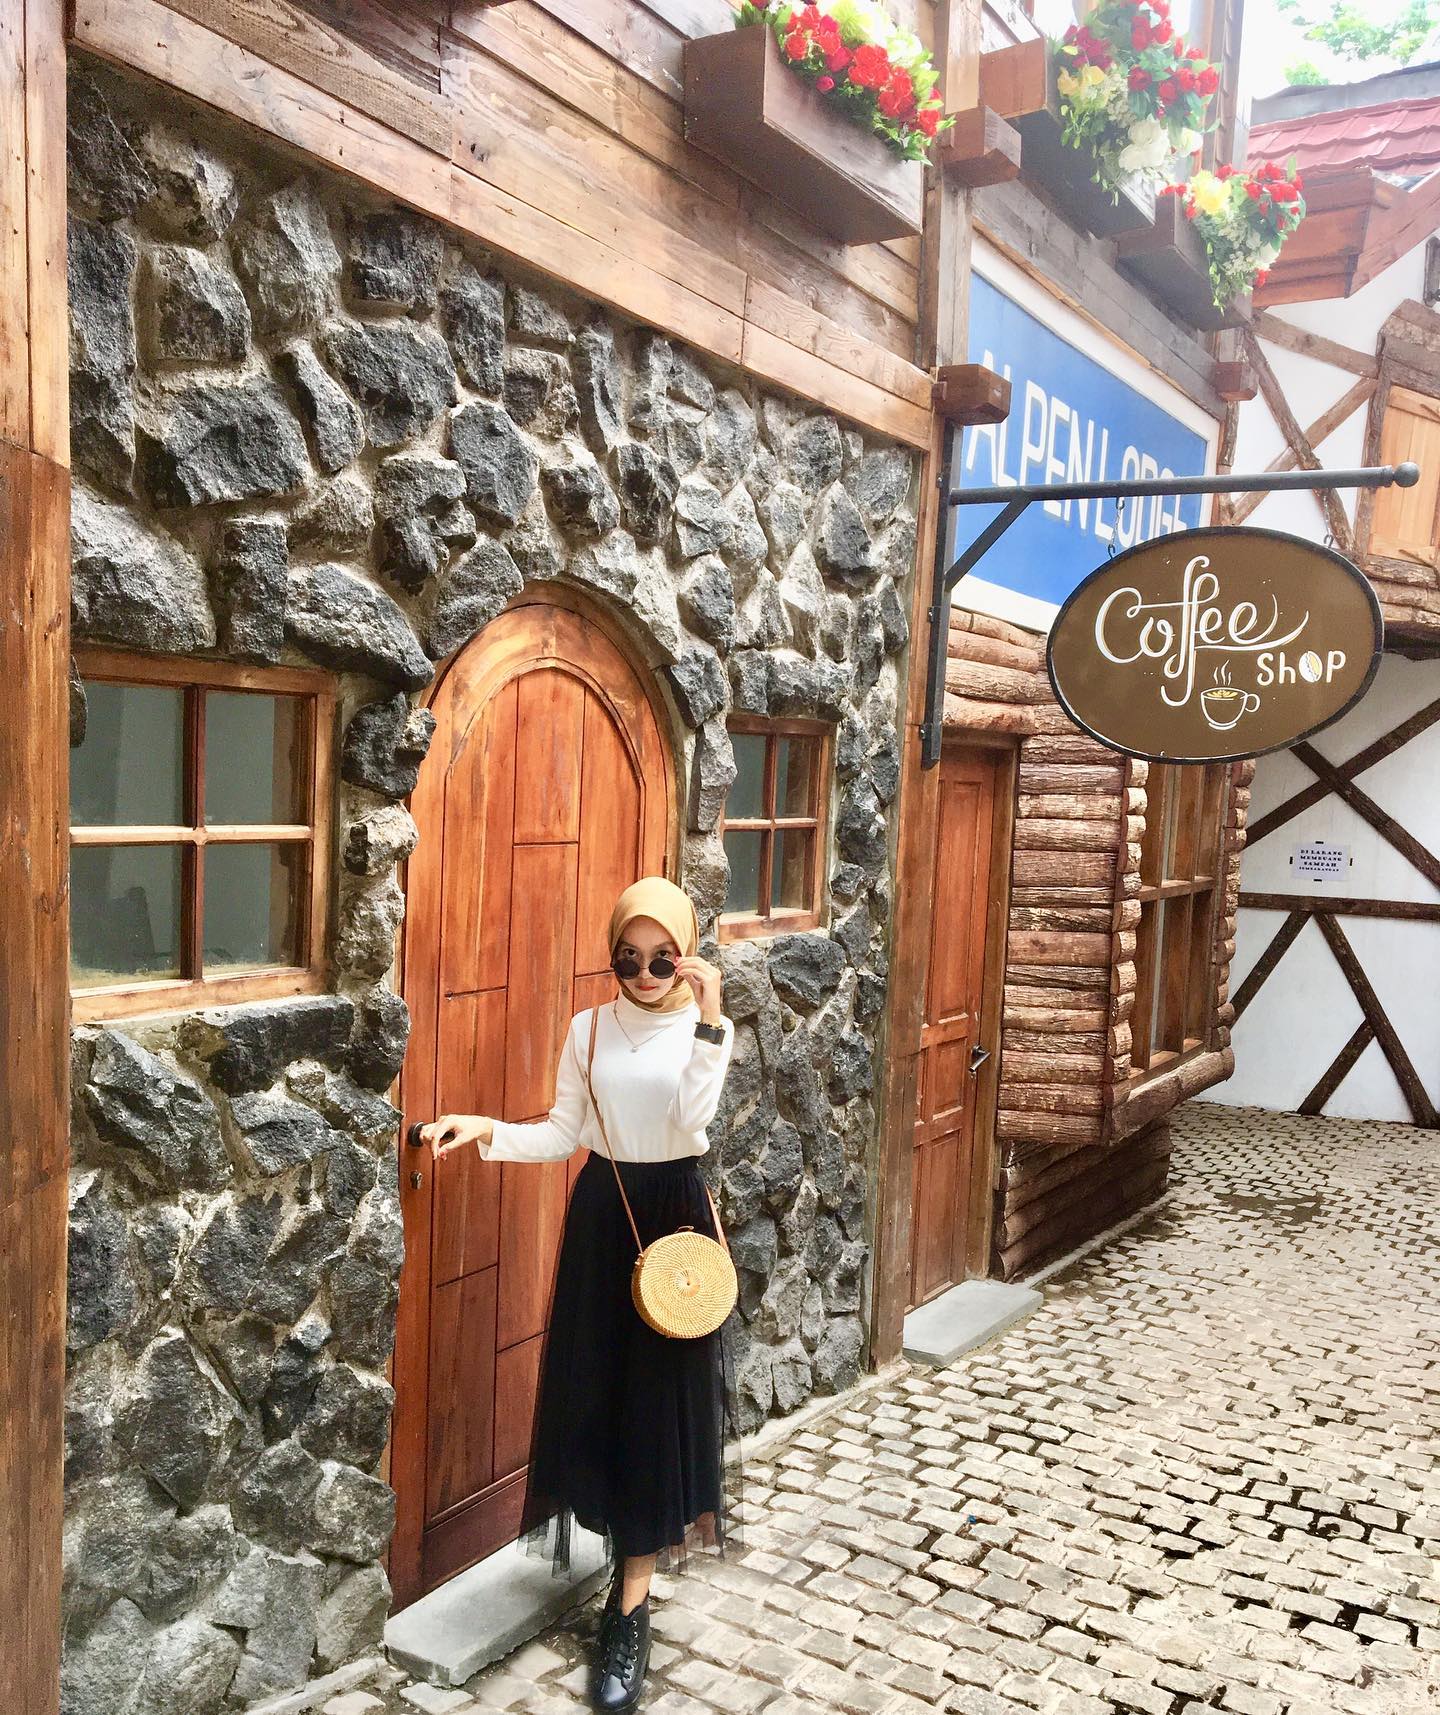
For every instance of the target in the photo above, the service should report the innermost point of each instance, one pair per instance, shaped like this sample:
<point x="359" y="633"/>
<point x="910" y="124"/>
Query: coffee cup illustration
<point x="1223" y="705"/>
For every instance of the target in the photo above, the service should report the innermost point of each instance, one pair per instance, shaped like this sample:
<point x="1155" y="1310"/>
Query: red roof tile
<point x="1393" y="137"/>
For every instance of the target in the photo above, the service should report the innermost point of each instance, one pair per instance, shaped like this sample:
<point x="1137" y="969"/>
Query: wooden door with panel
<point x="547" y="790"/>
<point x="951" y="1178"/>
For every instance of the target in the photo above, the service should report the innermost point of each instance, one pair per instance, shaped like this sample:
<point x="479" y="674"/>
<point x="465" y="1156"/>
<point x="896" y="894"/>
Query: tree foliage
<point x="1351" y="29"/>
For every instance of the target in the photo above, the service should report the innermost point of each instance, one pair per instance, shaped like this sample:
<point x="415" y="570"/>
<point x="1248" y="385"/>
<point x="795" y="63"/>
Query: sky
<point x="1271" y="41"/>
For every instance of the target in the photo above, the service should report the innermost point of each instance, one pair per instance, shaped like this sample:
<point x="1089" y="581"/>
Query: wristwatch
<point x="710" y="1032"/>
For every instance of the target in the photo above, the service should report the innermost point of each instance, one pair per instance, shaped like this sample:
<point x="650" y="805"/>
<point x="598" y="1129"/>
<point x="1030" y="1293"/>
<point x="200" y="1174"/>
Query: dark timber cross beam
<point x="1363" y="759"/>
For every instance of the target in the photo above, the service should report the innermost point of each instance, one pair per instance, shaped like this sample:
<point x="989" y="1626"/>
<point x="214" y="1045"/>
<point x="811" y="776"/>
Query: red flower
<point x="828" y="30"/>
<point x="1226" y="170"/>
<point x="824" y="84"/>
<point x="871" y="67"/>
<point x="1167" y="90"/>
<point x="809" y="16"/>
<point x="1140" y="35"/>
<point x="1139" y="78"/>
<point x="837" y="58"/>
<point x="928" y="119"/>
<point x="1285" y="193"/>
<point x="1194" y="53"/>
<point x="797" y="44"/>
<point x="1185" y="78"/>
<point x="1208" y="81"/>
<point x="1163" y="31"/>
<point x="1262" y="276"/>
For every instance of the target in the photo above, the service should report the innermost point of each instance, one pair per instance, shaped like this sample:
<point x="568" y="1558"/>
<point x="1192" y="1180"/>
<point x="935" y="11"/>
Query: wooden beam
<point x="970" y="393"/>
<point x="287" y="34"/>
<point x="34" y="866"/>
<point x="1338" y="1069"/>
<point x="1325" y="424"/>
<point x="1421" y="1107"/>
<point x="980" y="148"/>
<point x="1306" y="344"/>
<point x="1274" y="395"/>
<point x="1266" y="963"/>
<point x="1363" y="805"/>
<point x="1406" y="910"/>
<point x="1382" y="747"/>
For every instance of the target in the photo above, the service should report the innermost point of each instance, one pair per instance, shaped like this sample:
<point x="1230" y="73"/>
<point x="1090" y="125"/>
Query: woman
<point x="630" y="1424"/>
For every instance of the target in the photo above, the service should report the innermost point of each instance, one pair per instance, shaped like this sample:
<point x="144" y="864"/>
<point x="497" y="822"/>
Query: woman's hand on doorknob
<point x="453" y="1131"/>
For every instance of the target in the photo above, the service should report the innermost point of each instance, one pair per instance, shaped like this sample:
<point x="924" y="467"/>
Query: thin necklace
<point x="635" y="1046"/>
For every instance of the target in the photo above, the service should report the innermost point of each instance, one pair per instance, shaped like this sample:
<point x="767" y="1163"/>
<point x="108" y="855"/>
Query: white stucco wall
<point x="1305" y="1012"/>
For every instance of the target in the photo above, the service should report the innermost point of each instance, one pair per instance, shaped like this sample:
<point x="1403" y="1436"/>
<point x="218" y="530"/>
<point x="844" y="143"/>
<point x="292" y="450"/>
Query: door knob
<point x="978" y="1057"/>
<point x="413" y="1137"/>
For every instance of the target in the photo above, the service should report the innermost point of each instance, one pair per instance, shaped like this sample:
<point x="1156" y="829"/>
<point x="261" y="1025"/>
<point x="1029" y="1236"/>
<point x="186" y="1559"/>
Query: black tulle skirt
<point x="635" y="1432"/>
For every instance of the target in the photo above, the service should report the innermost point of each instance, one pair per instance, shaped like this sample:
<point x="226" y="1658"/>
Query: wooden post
<point x="34" y="787"/>
<point x="942" y="335"/>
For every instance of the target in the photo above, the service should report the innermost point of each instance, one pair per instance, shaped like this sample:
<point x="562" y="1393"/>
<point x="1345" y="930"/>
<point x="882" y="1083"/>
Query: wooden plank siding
<point x="554" y="135"/>
<point x="34" y="856"/>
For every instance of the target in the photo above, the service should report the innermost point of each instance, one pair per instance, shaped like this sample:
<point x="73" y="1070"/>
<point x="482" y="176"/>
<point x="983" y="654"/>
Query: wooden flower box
<point x="746" y="107"/>
<point x="1169" y="258"/>
<point x="1018" y="82"/>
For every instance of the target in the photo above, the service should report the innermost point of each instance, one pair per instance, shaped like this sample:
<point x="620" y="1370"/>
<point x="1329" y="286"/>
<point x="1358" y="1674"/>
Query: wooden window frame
<point x="1184" y="985"/>
<point x="742" y="926"/>
<point x="316" y="791"/>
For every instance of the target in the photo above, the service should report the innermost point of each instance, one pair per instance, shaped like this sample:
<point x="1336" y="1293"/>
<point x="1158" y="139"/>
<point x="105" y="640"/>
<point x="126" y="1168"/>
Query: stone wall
<point x="308" y="427"/>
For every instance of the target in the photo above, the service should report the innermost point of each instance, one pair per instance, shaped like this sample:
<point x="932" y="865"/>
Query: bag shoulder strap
<point x="619" y="1183"/>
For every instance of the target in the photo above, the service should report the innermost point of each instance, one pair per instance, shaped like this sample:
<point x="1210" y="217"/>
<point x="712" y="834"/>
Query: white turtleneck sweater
<point x="658" y="1085"/>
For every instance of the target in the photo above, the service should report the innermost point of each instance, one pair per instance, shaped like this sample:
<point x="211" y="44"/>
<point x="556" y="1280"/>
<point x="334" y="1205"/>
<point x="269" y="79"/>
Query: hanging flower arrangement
<point x="1244" y="216"/>
<point x="877" y="74"/>
<point x="1131" y="92"/>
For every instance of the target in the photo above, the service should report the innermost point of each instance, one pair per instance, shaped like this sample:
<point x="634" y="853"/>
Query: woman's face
<point x="644" y="937"/>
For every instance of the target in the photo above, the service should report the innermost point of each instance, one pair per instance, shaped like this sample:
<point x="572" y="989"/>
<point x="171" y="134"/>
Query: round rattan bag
<point x="684" y="1284"/>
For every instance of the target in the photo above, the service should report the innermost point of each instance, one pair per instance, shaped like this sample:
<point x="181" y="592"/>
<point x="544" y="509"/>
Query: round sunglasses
<point x="627" y="965"/>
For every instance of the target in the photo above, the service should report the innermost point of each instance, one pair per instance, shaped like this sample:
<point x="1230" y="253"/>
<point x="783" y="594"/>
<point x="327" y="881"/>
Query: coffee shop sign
<point x="1215" y="644"/>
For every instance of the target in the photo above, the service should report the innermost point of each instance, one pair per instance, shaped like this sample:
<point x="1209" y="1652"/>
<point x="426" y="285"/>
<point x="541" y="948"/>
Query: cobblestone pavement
<point x="1201" y="1477"/>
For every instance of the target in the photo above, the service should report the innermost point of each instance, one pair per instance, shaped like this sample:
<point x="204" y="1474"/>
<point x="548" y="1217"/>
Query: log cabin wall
<point x="1080" y="1141"/>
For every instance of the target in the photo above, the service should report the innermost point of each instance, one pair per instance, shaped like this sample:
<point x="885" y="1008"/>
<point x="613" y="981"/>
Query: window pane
<point x="746" y="797"/>
<point x="795" y="776"/>
<point x="253" y="770"/>
<point x="127" y="773"/>
<point x="791" y="887"/>
<point x="743" y="851"/>
<point x="124" y="914"/>
<point x="1152" y="846"/>
<point x="252" y="898"/>
<point x="1200" y="993"/>
<point x="1156" y="1030"/>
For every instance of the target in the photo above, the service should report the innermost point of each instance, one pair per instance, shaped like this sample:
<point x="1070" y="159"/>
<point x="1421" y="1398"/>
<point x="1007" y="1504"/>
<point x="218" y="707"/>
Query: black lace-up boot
<point x="622" y="1655"/>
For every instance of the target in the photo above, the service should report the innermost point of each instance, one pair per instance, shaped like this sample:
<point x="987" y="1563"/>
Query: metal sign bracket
<point x="1014" y="500"/>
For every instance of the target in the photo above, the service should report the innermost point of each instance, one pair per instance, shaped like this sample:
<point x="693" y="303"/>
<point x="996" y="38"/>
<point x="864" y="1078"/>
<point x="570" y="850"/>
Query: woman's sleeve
<point x="695" y="1100"/>
<point x="556" y="1136"/>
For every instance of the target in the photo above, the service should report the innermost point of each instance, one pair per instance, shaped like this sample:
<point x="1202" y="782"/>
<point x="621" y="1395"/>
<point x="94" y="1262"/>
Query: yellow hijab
<point x="655" y="897"/>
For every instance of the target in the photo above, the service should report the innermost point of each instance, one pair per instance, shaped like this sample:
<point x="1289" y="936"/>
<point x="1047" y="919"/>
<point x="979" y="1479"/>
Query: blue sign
<point x="1071" y="420"/>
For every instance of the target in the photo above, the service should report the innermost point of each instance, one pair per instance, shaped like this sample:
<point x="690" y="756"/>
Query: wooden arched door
<point x="547" y="790"/>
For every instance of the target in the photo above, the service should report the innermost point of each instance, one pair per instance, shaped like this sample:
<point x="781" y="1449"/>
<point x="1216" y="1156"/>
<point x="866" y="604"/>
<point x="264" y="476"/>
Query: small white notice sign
<point x="1320" y="862"/>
